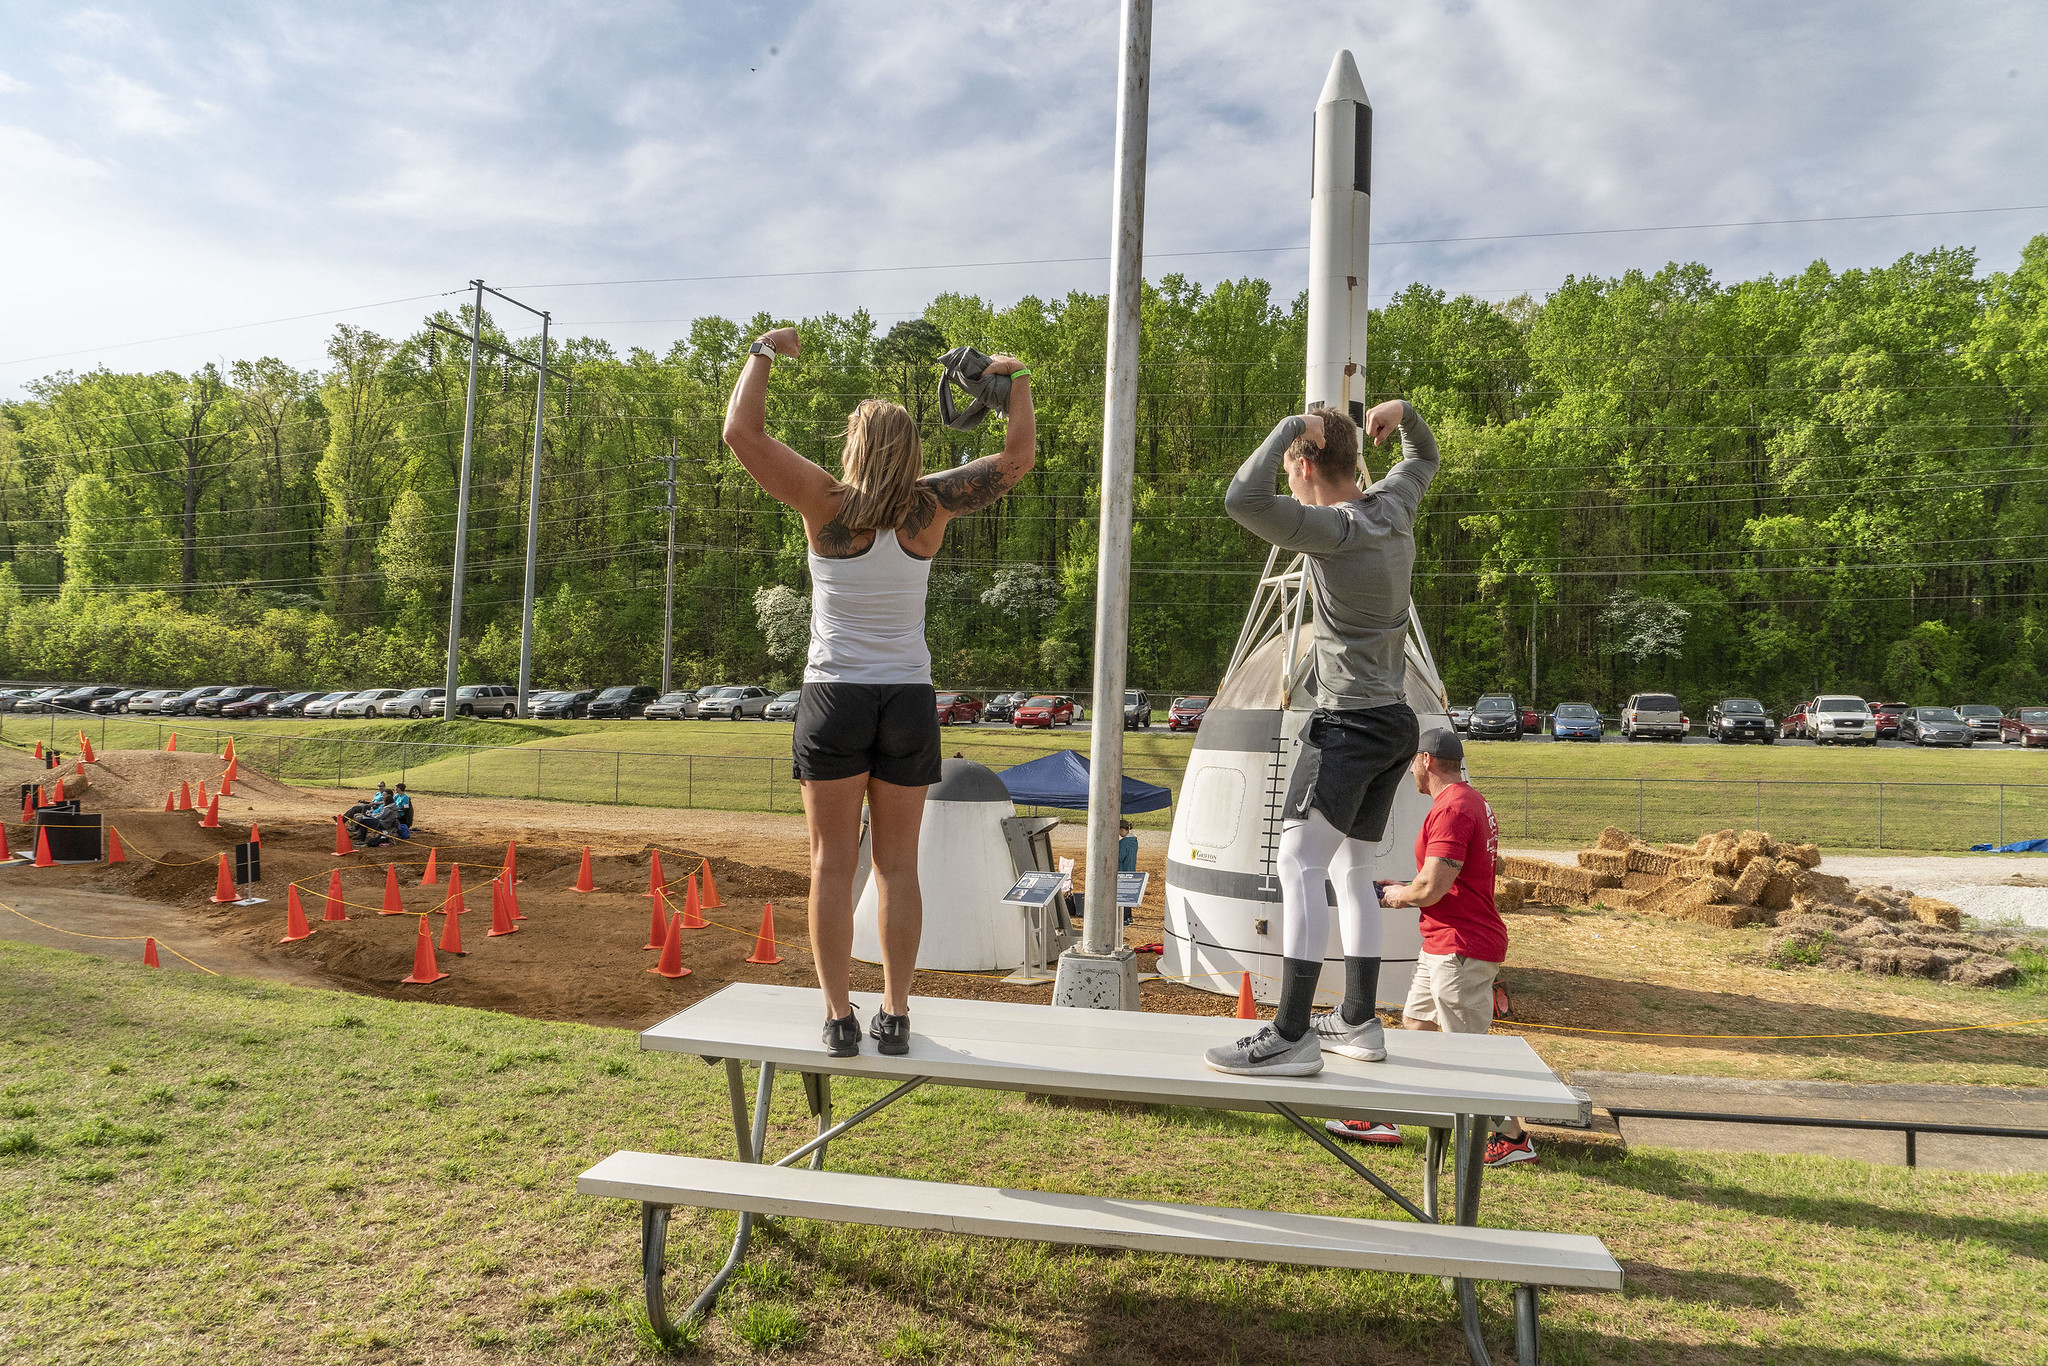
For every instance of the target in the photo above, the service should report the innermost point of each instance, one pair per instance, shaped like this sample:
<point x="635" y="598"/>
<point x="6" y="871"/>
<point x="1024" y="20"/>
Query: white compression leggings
<point x="1313" y="852"/>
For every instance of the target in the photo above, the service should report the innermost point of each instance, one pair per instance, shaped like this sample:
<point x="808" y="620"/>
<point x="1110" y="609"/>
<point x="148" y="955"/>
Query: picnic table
<point x="1454" y="1085"/>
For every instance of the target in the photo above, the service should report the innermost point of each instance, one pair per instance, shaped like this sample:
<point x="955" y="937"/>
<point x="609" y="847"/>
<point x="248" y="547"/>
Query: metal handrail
<point x="1910" y="1128"/>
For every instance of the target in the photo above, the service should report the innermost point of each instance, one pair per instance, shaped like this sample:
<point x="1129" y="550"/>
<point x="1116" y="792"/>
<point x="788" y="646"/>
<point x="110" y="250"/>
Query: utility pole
<point x="540" y="412"/>
<point x="476" y="329"/>
<point x="668" y="595"/>
<point x="1532" y="652"/>
<point x="1101" y="972"/>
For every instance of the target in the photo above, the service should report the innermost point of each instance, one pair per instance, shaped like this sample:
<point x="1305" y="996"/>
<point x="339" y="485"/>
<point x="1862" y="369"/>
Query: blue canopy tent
<point x="1061" y="779"/>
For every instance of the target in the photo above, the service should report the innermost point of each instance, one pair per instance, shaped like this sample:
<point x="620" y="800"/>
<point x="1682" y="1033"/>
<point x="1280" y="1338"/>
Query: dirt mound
<point x="18" y="767"/>
<point x="138" y="779"/>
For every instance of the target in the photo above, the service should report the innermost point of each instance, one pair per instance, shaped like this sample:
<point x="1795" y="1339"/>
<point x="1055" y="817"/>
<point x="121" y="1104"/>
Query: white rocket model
<point x="1339" y="235"/>
<point x="1222" y="895"/>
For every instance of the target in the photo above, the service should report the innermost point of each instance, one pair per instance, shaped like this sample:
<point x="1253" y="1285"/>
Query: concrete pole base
<point x="1097" y="981"/>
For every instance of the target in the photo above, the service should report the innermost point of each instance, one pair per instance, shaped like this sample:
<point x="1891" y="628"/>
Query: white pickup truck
<point x="1840" y="721"/>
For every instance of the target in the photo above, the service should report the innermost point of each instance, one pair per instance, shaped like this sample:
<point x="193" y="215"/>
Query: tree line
<point x="1827" y="480"/>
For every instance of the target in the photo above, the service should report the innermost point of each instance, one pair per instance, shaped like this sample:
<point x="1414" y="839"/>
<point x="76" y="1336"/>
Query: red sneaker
<point x="1364" y="1131"/>
<point x="1505" y="1152"/>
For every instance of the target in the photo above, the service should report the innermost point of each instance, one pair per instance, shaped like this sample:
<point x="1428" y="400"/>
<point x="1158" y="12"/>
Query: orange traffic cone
<point x="583" y="882"/>
<point x="671" y="964"/>
<point x="6" y="852"/>
<point x="511" y="870"/>
<point x="172" y="747"/>
<point x="170" y="801"/>
<point x="424" y="969"/>
<point x="255" y="835"/>
<point x="295" y="926"/>
<point x="203" y="798"/>
<point x="764" y="939"/>
<point x="115" y="853"/>
<point x="39" y="749"/>
<point x="342" y="844"/>
<point x="711" y="901"/>
<point x="85" y="748"/>
<point x="657" y="925"/>
<point x="43" y="859"/>
<point x="451" y="936"/>
<point x="392" y="905"/>
<point x="693" y="911"/>
<point x="454" y="904"/>
<point x="656" y="883"/>
<point x="1247" y="1008"/>
<point x="230" y="753"/>
<point x="184" y="795"/>
<point x="501" y="918"/>
<point x="234" y="768"/>
<point x="149" y="958"/>
<point x="224" y="884"/>
<point x="512" y="910"/>
<point x="28" y="807"/>
<point x="227" y="784"/>
<point x="211" y="820"/>
<point x="335" y="909"/>
<point x="433" y="873"/>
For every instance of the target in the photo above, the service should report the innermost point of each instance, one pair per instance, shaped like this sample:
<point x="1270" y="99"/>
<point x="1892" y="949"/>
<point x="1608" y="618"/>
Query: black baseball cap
<point x="1442" y="744"/>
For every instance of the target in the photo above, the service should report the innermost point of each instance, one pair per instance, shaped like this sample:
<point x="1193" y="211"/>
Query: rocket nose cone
<point x="1343" y="82"/>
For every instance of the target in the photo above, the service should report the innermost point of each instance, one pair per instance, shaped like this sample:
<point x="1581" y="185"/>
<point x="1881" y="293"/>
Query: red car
<point x="1793" y="726"/>
<point x="1047" y="710"/>
<point x="2026" y="725"/>
<point x="1532" y="721"/>
<point x="958" y="709"/>
<point x="1887" y="717"/>
<point x="1186" y="713"/>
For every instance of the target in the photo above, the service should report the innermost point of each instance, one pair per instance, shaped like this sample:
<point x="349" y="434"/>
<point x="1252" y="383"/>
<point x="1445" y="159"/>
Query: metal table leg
<point x="1470" y="1157"/>
<point x="1432" y="1170"/>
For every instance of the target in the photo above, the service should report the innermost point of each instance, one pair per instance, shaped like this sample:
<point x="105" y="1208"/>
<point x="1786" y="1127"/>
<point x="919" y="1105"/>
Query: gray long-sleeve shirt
<point x="1361" y="558"/>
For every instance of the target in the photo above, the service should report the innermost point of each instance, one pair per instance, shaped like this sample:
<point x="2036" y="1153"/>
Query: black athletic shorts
<point x="890" y="730"/>
<point x="1351" y="765"/>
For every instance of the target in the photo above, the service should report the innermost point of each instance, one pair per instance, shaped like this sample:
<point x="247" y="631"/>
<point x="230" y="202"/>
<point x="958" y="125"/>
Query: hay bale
<point x="1720" y="915"/>
<point x="1777" y="890"/>
<point x="1751" y="845"/>
<point x="1934" y="911"/>
<point x="1527" y="869"/>
<point x="1805" y="855"/>
<point x="1706" y="891"/>
<point x="1643" y="859"/>
<point x="1680" y="850"/>
<point x="1550" y="894"/>
<point x="1707" y="842"/>
<point x="1642" y="882"/>
<point x="1579" y="881"/>
<point x="1508" y="894"/>
<point x="1609" y="861"/>
<point x="1982" y="970"/>
<point x="1824" y="888"/>
<point x="1810" y="924"/>
<point x="1750" y="886"/>
<point x="1615" y="838"/>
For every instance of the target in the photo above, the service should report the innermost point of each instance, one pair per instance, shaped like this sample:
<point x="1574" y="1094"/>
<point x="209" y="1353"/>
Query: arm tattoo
<point x="1457" y="863"/>
<point x="971" y="487"/>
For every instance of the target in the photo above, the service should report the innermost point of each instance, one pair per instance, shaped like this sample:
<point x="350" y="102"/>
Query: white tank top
<point x="867" y="616"/>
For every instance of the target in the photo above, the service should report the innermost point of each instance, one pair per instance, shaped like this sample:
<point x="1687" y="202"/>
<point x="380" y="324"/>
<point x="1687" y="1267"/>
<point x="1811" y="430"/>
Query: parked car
<point x="1495" y="717"/>
<point x="290" y="704"/>
<point x="1186" y="713"/>
<point x="2025" y="726"/>
<point x="1886" y="716"/>
<point x="1656" y="715"/>
<point x="1045" y="709"/>
<point x="115" y="702"/>
<point x="42" y="699"/>
<point x="783" y="708"/>
<point x="731" y="704"/>
<point x="487" y="699"/>
<point x="1842" y="721"/>
<point x="626" y="702"/>
<point x="365" y="702"/>
<point x="1982" y="720"/>
<point x="81" y="699"/>
<point x="1003" y="706"/>
<point x="151" y="702"/>
<point x="670" y="706"/>
<point x="241" y="709"/>
<point x="186" y="702"/>
<point x="325" y="703"/>
<point x="1576" y="721"/>
<point x="1734" y="719"/>
<point x="210" y="706"/>
<point x="1792" y="726"/>
<point x="1935" y="726"/>
<point x="957" y="708"/>
<point x="413" y="703"/>
<point x="1461" y="718"/>
<point x="1137" y="710"/>
<point x="12" y="698"/>
<point x="560" y="706"/>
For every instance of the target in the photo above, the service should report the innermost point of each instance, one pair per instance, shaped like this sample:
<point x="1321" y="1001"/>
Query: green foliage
<point x="769" y="1326"/>
<point x="1656" y="480"/>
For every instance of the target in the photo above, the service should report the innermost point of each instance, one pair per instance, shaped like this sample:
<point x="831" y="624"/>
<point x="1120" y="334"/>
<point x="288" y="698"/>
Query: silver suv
<point x="1840" y="721"/>
<point x="734" y="703"/>
<point x="1655" y="715"/>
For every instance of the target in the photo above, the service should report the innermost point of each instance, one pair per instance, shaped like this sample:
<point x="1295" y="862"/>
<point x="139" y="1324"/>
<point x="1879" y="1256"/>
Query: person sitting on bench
<point x="365" y="820"/>
<point x="398" y="817"/>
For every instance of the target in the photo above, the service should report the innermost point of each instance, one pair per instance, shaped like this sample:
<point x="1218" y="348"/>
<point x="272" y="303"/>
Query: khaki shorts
<point x="1453" y="992"/>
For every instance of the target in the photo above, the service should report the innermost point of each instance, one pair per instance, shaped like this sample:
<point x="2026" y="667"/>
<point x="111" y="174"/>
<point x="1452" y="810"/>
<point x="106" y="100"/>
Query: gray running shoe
<point x="1367" y="1042"/>
<point x="1266" y="1054"/>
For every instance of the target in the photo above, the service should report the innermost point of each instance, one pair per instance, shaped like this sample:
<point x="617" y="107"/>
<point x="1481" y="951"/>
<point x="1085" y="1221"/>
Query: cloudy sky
<point x="179" y="167"/>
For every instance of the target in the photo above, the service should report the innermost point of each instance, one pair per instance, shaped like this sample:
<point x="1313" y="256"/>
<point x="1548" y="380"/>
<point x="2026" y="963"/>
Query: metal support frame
<point x="751" y="1139"/>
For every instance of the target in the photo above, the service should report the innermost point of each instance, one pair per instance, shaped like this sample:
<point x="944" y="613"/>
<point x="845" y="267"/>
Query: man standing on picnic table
<point x="1464" y="939"/>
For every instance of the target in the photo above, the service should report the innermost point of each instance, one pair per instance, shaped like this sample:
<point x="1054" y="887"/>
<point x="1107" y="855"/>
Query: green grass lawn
<point x="211" y="1170"/>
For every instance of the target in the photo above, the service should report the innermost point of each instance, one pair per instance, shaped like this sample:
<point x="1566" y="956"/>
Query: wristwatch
<point x="761" y="348"/>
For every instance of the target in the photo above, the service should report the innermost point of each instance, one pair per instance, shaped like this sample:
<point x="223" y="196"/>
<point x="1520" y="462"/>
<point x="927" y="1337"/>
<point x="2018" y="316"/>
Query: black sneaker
<point x="842" y="1037"/>
<point x="891" y="1033"/>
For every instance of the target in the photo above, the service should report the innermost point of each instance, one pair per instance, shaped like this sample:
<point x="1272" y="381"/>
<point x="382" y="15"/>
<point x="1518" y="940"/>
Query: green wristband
<point x="1014" y="373"/>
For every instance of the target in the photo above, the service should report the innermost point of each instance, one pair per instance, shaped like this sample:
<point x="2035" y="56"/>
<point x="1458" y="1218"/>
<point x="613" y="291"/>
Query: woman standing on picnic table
<point x="867" y="724"/>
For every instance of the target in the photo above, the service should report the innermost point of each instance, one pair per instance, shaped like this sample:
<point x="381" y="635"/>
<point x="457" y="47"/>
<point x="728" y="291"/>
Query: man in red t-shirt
<point x="1463" y="938"/>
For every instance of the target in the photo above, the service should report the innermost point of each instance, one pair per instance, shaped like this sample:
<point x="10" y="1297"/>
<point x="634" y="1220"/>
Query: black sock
<point x="1361" y="989"/>
<point x="1297" y="993"/>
